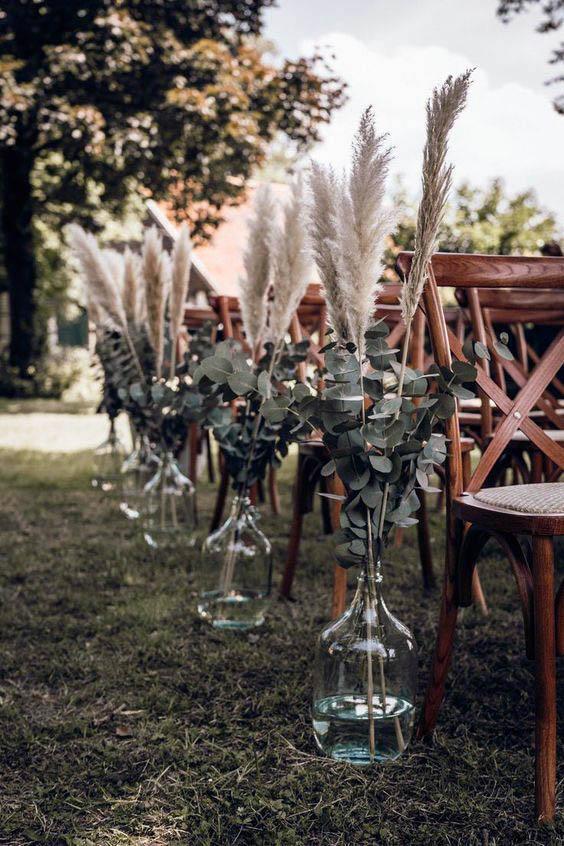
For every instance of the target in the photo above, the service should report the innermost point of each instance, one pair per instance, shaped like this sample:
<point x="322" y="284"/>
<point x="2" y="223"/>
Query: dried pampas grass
<point x="104" y="296"/>
<point x="131" y="286"/>
<point x="362" y="225"/>
<point x="443" y="107"/>
<point x="102" y="288"/>
<point x="181" y="263"/>
<point x="254" y="286"/>
<point x="290" y="265"/>
<point x="116" y="266"/>
<point x="322" y="232"/>
<point x="156" y="274"/>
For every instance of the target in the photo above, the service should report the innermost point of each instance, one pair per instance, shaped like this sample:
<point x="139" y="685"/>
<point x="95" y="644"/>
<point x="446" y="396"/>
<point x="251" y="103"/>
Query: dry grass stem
<point x="254" y="286"/>
<point x="101" y="284"/>
<point x="181" y="263"/>
<point x="321" y="226"/>
<point x="130" y="285"/>
<point x="156" y="272"/>
<point x="362" y="225"/>
<point x="443" y="107"/>
<point x="290" y="265"/>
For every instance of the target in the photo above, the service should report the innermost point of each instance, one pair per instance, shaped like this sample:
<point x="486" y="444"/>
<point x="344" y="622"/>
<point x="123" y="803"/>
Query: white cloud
<point x="508" y="130"/>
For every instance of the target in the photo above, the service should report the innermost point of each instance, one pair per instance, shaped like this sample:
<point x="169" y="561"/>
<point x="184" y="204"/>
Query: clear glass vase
<point x="107" y="461"/>
<point x="169" y="512"/>
<point x="136" y="471"/>
<point x="365" y="680"/>
<point x="236" y="571"/>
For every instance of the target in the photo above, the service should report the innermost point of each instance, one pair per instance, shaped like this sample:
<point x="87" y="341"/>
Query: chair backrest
<point x="492" y="273"/>
<point x="520" y="312"/>
<point x="309" y="322"/>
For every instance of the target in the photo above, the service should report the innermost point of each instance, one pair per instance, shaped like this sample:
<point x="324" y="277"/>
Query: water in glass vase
<point x="342" y="729"/>
<point x="238" y="609"/>
<point x="365" y="681"/>
<point x="236" y="571"/>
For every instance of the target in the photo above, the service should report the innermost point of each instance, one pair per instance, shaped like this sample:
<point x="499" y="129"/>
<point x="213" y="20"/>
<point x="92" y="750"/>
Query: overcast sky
<point x="392" y="53"/>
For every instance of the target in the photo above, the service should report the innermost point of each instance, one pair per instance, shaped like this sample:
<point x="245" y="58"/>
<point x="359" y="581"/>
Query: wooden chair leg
<point x="325" y="507"/>
<point x="273" y="491"/>
<point x="220" y="499"/>
<point x="536" y="466"/>
<point x="339" y="599"/>
<point x="478" y="596"/>
<point x="194" y="447"/>
<point x="209" y="457"/>
<point x="545" y="678"/>
<point x="443" y="650"/>
<point x="424" y="540"/>
<point x="339" y="591"/>
<point x="295" y="532"/>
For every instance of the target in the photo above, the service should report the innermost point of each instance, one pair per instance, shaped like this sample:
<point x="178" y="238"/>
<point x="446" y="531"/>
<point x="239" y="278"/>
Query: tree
<point x="553" y="18"/>
<point x="175" y="98"/>
<point x="482" y="221"/>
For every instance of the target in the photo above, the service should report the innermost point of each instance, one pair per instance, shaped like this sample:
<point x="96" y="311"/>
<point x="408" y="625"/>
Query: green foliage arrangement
<point x="258" y="382"/>
<point x="137" y="303"/>
<point x="258" y="433"/>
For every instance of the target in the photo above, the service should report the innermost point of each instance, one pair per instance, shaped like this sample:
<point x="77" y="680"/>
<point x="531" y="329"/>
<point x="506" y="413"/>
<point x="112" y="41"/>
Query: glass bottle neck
<point x="370" y="581"/>
<point x="241" y="505"/>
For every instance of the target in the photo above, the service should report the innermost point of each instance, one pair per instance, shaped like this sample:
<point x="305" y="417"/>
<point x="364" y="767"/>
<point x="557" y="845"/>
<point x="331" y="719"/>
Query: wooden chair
<point x="198" y="440"/>
<point x="476" y="513"/>
<point x="489" y="312"/>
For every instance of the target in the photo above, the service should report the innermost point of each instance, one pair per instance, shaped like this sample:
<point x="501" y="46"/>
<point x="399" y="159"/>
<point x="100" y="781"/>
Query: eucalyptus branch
<point x="228" y="570"/>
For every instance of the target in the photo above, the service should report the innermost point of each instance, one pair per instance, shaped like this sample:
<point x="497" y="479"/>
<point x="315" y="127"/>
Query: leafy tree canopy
<point x="552" y="19"/>
<point x="176" y="98"/>
<point x="482" y="221"/>
<point x="170" y="95"/>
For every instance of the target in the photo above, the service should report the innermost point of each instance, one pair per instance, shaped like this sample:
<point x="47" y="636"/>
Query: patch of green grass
<point x="125" y="721"/>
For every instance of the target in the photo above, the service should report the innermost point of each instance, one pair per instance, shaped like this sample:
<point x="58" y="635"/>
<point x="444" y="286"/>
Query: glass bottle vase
<point x="107" y="461"/>
<point x="138" y="468"/>
<point x="169" y="512"/>
<point x="365" y="680"/>
<point x="236" y="571"/>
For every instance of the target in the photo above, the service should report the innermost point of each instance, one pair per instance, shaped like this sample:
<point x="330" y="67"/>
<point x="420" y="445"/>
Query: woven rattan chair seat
<point x="546" y="498"/>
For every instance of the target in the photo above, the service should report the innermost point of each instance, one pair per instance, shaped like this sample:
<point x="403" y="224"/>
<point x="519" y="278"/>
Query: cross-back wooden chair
<point x="312" y="455"/>
<point x="476" y="513"/>
<point x="198" y="440"/>
<point x="515" y="310"/>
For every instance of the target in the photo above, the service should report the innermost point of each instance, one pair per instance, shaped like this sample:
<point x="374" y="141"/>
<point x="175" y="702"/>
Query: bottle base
<point x="342" y="728"/>
<point x="237" y="610"/>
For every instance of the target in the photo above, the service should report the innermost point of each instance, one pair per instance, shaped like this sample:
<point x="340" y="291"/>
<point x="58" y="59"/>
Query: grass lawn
<point x="125" y="720"/>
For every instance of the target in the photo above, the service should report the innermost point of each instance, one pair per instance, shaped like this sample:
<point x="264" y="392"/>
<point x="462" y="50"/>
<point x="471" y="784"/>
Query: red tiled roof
<point x="221" y="258"/>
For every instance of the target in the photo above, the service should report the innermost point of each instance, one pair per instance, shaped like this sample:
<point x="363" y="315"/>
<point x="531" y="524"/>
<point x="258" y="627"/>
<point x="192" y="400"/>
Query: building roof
<point x="219" y="262"/>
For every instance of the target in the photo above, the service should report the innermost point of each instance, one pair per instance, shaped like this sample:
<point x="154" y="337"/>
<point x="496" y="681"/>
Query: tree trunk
<point x="26" y="338"/>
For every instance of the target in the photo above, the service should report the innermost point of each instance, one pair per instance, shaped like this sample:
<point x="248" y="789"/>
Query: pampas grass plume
<point x="322" y="232"/>
<point x="443" y="108"/>
<point x="181" y="263"/>
<point x="102" y="287"/>
<point x="156" y="273"/>
<point x="130" y="285"/>
<point x="254" y="286"/>
<point x="362" y="225"/>
<point x="290" y="264"/>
